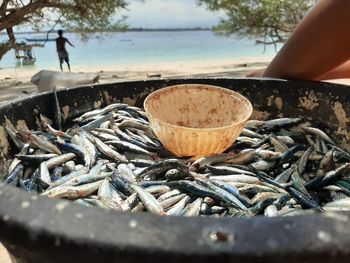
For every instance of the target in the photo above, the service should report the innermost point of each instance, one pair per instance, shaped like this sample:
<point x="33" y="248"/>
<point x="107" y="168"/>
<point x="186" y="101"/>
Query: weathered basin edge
<point x="37" y="229"/>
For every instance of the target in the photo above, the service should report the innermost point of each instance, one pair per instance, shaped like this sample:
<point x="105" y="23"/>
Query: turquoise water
<point x="142" y="47"/>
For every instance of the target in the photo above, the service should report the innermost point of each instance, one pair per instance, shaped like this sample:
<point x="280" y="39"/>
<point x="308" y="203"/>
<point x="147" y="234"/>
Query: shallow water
<point x="142" y="47"/>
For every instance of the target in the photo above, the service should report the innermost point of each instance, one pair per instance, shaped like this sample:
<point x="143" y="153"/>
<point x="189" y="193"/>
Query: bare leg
<point x="319" y="44"/>
<point x="61" y="65"/>
<point x="67" y="61"/>
<point x="342" y="71"/>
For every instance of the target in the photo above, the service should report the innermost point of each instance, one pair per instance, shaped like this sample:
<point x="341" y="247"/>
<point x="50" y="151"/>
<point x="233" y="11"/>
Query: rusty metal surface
<point x="46" y="230"/>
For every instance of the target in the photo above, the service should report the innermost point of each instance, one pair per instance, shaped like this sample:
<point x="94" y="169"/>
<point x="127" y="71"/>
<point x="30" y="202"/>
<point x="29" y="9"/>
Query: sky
<point x="169" y="14"/>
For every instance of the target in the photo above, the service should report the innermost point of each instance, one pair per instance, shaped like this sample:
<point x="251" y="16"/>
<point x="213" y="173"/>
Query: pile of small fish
<point x="111" y="159"/>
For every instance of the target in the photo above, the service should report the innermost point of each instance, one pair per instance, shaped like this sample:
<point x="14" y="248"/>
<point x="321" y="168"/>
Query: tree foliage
<point x="269" y="21"/>
<point x="83" y="16"/>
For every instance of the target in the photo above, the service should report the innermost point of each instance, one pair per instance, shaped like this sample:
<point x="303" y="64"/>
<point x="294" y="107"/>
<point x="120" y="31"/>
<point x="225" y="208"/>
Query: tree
<point x="83" y="16"/>
<point x="269" y="21"/>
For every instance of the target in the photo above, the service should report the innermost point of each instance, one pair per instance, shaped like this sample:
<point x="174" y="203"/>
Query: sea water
<point x="141" y="47"/>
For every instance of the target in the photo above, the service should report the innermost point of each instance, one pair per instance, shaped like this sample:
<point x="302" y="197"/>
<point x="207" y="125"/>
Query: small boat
<point x="39" y="39"/>
<point x="25" y="54"/>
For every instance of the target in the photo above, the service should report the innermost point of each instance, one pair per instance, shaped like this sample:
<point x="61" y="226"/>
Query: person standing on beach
<point x="61" y="49"/>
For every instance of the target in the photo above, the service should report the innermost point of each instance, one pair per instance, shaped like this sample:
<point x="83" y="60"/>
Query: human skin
<point x="319" y="48"/>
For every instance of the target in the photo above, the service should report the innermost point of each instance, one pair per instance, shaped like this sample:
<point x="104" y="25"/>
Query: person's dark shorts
<point x="63" y="56"/>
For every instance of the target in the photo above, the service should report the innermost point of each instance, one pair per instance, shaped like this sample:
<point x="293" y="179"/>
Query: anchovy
<point x="36" y="159"/>
<point x="56" y="174"/>
<point x="303" y="160"/>
<point x="193" y="209"/>
<point x="157" y="189"/>
<point x="243" y="157"/>
<point x="150" y="203"/>
<point x="126" y="146"/>
<point x="105" y="190"/>
<point x="168" y="195"/>
<point x="327" y="163"/>
<point x="135" y="124"/>
<point x="14" y="175"/>
<point x="178" y="207"/>
<point x="298" y="183"/>
<point x="106" y="150"/>
<point x="87" y="178"/>
<point x="38" y="142"/>
<point x="288" y="155"/>
<point x="324" y="146"/>
<point x="105" y="136"/>
<point x="210" y="160"/>
<point x="305" y="200"/>
<point x="68" y="177"/>
<point x="168" y="202"/>
<point x="262" y="204"/>
<point x="125" y="171"/>
<point x="73" y="191"/>
<point x="58" y="160"/>
<point x="279" y="123"/>
<point x="253" y="124"/>
<point x="161" y="167"/>
<point x="107" y="204"/>
<point x="262" y="165"/>
<point x="328" y="177"/>
<point x="252" y="134"/>
<point x="12" y="134"/>
<point x="281" y="201"/>
<point x="78" y="151"/>
<point x="287" y="140"/>
<point x="268" y="155"/>
<point x="148" y="139"/>
<point x="222" y="170"/>
<point x="278" y="145"/>
<point x="176" y="174"/>
<point x="88" y="146"/>
<point x="255" y="189"/>
<point x="95" y="123"/>
<point x="47" y="126"/>
<point x="226" y="196"/>
<point x="44" y="174"/>
<point x="319" y="133"/>
<point x="284" y="176"/>
<point x="343" y="203"/>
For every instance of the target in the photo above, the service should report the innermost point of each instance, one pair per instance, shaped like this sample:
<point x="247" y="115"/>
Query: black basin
<point x="37" y="229"/>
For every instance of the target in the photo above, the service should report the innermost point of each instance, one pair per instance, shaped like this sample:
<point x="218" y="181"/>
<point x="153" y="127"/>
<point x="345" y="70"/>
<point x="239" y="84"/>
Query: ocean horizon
<point x="134" y="47"/>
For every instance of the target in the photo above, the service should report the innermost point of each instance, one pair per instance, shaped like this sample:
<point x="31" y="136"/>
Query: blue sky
<point x="169" y="13"/>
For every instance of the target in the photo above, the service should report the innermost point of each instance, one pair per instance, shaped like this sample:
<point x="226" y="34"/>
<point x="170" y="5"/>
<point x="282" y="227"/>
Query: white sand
<point x="15" y="82"/>
<point x="173" y="68"/>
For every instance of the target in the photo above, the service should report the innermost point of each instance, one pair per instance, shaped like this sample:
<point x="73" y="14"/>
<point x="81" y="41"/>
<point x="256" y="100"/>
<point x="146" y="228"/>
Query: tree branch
<point x="265" y="42"/>
<point x="4" y="48"/>
<point x="48" y="32"/>
<point x="3" y="7"/>
<point x="15" y="17"/>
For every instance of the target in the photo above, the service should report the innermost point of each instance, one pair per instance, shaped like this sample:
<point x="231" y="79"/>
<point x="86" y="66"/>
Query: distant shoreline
<point x="136" y="29"/>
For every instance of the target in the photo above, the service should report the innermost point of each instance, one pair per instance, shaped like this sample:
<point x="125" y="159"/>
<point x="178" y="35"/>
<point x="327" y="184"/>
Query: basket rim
<point x="191" y="86"/>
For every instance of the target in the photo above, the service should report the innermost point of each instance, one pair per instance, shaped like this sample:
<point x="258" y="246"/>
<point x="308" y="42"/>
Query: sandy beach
<point x="15" y="82"/>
